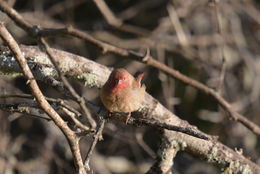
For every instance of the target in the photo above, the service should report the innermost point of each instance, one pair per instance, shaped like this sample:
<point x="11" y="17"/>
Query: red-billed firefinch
<point x="122" y="92"/>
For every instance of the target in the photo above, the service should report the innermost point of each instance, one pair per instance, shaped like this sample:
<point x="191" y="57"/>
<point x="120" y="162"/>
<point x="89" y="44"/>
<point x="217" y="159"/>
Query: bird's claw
<point x="127" y="117"/>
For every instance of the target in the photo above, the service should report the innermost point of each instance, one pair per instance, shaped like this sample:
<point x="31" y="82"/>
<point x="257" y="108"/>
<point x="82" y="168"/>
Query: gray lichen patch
<point x="24" y="109"/>
<point x="239" y="151"/>
<point x="179" y="145"/>
<point x="89" y="79"/>
<point x="234" y="167"/>
<point x="8" y="64"/>
<point x="41" y="59"/>
<point x="49" y="71"/>
<point x="183" y="145"/>
<point x="213" y="156"/>
<point x="237" y="167"/>
<point x="11" y="74"/>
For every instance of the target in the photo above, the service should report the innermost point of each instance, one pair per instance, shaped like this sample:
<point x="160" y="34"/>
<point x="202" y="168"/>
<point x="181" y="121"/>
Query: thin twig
<point x="23" y="108"/>
<point x="188" y="131"/>
<point x="177" y="25"/>
<point x="139" y="7"/>
<point x="225" y="158"/>
<point x="107" y="13"/>
<point x="97" y="137"/>
<point x="111" y="19"/>
<point x="61" y="6"/>
<point x="43" y="104"/>
<point x="75" y="120"/>
<point x="57" y="101"/>
<point x="152" y="110"/>
<point x="73" y="93"/>
<point x="148" y="59"/>
<point x="143" y="122"/>
<point x="219" y="29"/>
<point x="72" y="113"/>
<point x="17" y="95"/>
<point x="33" y="30"/>
<point x="140" y="140"/>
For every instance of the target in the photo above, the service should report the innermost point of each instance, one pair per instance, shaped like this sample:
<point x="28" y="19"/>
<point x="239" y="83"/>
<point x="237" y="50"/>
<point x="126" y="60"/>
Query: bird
<point x="122" y="92"/>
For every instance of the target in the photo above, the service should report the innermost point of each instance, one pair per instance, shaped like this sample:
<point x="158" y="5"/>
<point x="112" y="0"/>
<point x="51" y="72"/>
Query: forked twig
<point x="97" y="137"/>
<point x="43" y="104"/>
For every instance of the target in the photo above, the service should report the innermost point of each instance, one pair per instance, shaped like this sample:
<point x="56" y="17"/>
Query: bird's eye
<point x="117" y="80"/>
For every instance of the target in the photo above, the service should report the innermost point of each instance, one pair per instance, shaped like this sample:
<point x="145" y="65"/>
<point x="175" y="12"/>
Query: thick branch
<point x="95" y="75"/>
<point x="148" y="59"/>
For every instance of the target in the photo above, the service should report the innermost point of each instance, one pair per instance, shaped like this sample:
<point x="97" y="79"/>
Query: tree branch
<point x="212" y="150"/>
<point x="147" y="59"/>
<point x="43" y="104"/>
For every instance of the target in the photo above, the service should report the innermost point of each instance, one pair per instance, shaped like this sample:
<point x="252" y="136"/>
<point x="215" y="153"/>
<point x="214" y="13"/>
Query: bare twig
<point x="116" y="22"/>
<point x="138" y="8"/>
<point x="188" y="131"/>
<point x="24" y="108"/>
<point x="203" y="148"/>
<point x="97" y="137"/>
<point x="107" y="13"/>
<point x="56" y="101"/>
<point x="219" y="29"/>
<point x="177" y="25"/>
<point x="149" y="60"/>
<point x="73" y="93"/>
<point x="71" y="137"/>
<point x="153" y="110"/>
<point x="75" y="120"/>
<point x="33" y="30"/>
<point x="72" y="113"/>
<point x="140" y="140"/>
<point x="32" y="110"/>
<point x="63" y="5"/>
<point x="166" y="81"/>
<point x="153" y="123"/>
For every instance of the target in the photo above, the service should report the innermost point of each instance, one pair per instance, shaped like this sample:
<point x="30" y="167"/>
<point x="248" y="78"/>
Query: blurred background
<point x="214" y="42"/>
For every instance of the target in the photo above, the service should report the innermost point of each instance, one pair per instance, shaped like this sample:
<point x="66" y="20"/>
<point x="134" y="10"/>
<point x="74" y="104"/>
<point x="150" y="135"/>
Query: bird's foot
<point x="127" y="117"/>
<point x="108" y="115"/>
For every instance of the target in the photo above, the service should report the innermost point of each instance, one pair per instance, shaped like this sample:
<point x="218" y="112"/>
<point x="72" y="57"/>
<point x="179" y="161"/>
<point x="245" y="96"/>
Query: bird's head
<point x="120" y="79"/>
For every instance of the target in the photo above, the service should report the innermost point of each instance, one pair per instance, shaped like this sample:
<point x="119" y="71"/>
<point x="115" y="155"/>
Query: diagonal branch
<point x="33" y="31"/>
<point x="147" y="59"/>
<point x="107" y="13"/>
<point x="66" y="83"/>
<point x="211" y="150"/>
<point x="43" y="104"/>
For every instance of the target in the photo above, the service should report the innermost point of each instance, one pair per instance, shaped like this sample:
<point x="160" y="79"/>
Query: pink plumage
<point x="122" y="92"/>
